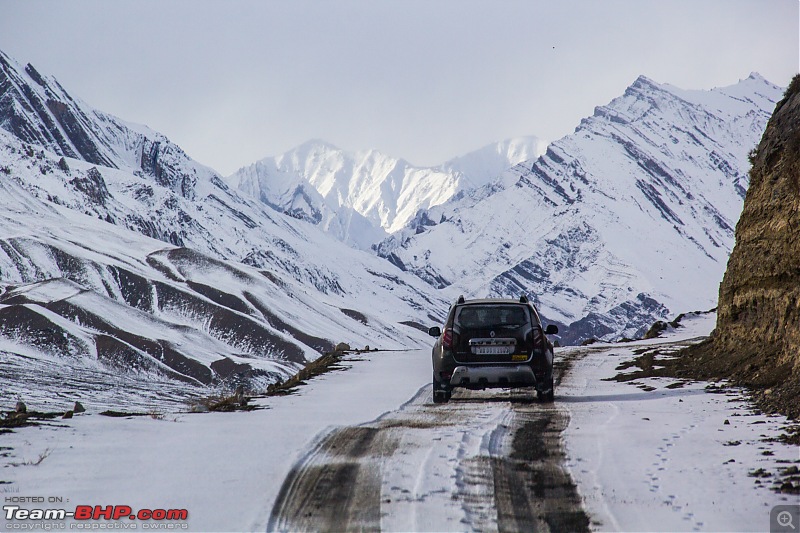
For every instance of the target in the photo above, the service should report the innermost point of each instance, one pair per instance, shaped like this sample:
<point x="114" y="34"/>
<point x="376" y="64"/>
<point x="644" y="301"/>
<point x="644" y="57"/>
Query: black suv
<point x="492" y="343"/>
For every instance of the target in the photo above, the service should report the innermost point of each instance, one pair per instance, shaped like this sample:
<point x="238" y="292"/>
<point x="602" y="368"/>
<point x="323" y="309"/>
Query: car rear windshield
<point x="492" y="316"/>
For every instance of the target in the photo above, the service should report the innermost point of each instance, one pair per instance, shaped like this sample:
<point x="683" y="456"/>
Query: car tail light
<point x="538" y="339"/>
<point x="447" y="338"/>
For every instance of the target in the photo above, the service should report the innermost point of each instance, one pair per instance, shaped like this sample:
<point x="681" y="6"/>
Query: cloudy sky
<point x="234" y="81"/>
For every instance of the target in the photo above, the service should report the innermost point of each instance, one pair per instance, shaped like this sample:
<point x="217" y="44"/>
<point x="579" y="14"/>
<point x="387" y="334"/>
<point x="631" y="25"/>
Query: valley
<point x="140" y="283"/>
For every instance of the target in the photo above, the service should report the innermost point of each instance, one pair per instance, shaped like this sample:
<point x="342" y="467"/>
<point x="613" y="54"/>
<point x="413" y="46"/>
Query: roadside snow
<point x="668" y="459"/>
<point x="225" y="468"/>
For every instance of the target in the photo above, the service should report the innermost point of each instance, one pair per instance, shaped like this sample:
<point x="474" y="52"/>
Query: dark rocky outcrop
<point x="92" y="186"/>
<point x="757" y="339"/>
<point x="159" y="159"/>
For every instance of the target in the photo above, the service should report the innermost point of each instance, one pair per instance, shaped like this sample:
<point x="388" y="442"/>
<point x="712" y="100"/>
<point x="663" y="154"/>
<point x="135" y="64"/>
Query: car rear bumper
<point x="480" y="377"/>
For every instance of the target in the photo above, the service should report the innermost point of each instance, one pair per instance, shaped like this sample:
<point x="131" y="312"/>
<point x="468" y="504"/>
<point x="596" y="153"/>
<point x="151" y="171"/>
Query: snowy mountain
<point x="483" y="166"/>
<point x="627" y="220"/>
<point x="38" y="111"/>
<point x="360" y="197"/>
<point x="120" y="256"/>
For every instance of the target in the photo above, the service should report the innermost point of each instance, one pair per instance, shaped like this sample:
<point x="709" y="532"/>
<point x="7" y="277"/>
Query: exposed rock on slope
<point x="757" y="339"/>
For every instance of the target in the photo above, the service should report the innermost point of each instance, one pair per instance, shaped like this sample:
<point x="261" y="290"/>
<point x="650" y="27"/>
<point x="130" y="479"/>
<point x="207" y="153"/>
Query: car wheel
<point x="547" y="394"/>
<point x="440" y="394"/>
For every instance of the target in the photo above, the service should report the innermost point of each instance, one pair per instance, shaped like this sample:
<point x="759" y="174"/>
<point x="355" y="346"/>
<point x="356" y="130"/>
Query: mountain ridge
<point x="369" y="186"/>
<point x="543" y="226"/>
<point x="652" y="166"/>
<point x="36" y="109"/>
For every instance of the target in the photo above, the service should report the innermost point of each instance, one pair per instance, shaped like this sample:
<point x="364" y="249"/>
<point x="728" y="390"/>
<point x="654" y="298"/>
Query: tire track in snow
<point x="485" y="461"/>
<point x="324" y="487"/>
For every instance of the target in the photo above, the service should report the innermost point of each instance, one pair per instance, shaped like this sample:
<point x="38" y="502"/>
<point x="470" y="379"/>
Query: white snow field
<point x="668" y="459"/>
<point x="643" y="460"/>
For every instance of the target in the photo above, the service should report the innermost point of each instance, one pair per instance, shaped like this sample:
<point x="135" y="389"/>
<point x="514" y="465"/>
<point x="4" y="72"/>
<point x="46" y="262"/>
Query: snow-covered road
<point x="643" y="456"/>
<point x="483" y="462"/>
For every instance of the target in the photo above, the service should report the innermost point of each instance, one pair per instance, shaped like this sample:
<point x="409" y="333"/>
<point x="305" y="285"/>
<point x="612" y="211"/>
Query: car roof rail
<point x="523" y="299"/>
<point x="460" y="299"/>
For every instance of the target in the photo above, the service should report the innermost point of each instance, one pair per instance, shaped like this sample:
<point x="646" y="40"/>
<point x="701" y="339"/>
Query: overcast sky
<point x="234" y="81"/>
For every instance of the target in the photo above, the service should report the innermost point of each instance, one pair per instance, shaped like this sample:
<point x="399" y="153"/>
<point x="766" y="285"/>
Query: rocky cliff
<point x="757" y="339"/>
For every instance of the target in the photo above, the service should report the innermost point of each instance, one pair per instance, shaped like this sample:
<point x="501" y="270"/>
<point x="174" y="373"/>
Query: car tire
<point x="547" y="395"/>
<point x="440" y="394"/>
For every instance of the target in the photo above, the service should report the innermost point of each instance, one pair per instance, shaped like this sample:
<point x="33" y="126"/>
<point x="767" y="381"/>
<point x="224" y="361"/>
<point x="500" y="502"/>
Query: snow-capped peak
<point x="386" y="191"/>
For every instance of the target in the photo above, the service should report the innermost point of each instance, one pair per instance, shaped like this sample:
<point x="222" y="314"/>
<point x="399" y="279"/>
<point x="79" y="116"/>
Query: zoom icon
<point x="784" y="518"/>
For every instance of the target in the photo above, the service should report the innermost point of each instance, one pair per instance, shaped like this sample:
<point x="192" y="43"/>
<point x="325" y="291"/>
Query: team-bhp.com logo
<point x="149" y="518"/>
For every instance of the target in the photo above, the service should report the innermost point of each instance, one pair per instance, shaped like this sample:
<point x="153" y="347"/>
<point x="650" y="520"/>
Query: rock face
<point x="757" y="339"/>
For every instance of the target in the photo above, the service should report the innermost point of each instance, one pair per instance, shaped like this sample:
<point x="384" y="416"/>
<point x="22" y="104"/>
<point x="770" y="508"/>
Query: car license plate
<point x="493" y="350"/>
<point x="519" y="357"/>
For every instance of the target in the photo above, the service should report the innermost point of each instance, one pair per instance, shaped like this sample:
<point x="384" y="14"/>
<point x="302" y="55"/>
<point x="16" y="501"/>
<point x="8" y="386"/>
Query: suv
<point x="492" y="343"/>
